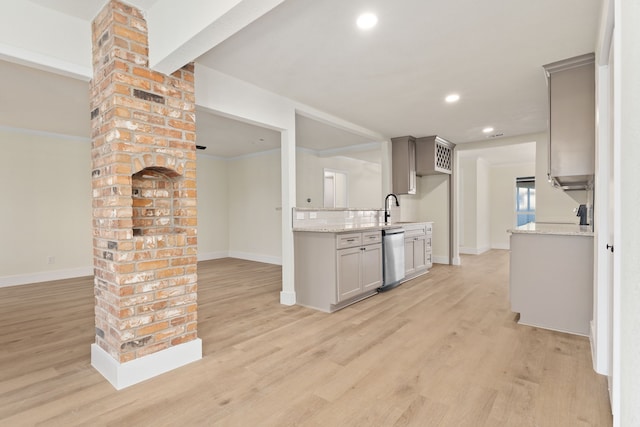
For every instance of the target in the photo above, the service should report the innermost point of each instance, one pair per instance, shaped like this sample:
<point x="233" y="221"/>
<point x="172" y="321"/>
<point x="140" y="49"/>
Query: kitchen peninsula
<point x="339" y="255"/>
<point x="551" y="276"/>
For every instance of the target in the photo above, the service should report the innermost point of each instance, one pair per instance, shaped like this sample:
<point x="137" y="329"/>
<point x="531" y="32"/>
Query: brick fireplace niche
<point x="144" y="205"/>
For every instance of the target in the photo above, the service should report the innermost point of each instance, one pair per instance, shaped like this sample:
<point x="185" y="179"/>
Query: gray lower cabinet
<point x="414" y="255"/>
<point x="428" y="244"/>
<point x="359" y="270"/>
<point x="551" y="281"/>
<point x="417" y="249"/>
<point x="333" y="270"/>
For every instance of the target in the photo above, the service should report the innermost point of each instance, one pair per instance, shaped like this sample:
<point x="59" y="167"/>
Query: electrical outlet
<point x="51" y="259"/>
<point x="299" y="215"/>
<point x="313" y="215"/>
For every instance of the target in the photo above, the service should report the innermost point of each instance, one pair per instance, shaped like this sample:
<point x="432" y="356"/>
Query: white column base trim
<point x="122" y="375"/>
<point x="287" y="298"/>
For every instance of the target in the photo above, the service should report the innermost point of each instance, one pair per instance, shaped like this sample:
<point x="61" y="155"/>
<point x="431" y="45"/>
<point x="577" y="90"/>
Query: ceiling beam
<point x="179" y="34"/>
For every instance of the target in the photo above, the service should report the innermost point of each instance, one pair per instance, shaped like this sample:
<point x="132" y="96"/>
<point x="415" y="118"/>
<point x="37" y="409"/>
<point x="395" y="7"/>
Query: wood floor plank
<point x="440" y="350"/>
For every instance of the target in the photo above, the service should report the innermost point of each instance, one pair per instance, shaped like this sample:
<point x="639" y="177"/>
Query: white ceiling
<point x="391" y="80"/>
<point x="87" y="9"/>
<point x="504" y="155"/>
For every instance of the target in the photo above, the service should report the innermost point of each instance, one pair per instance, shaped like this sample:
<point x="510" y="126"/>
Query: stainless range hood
<point x="571" y="84"/>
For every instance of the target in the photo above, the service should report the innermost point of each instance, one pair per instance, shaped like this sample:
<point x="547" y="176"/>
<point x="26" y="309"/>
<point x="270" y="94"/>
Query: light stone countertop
<point x="341" y="228"/>
<point x="552" y="228"/>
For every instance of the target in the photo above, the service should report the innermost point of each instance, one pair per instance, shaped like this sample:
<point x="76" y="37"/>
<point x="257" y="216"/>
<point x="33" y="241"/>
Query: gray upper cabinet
<point x="571" y="83"/>
<point x="403" y="156"/>
<point x="433" y="155"/>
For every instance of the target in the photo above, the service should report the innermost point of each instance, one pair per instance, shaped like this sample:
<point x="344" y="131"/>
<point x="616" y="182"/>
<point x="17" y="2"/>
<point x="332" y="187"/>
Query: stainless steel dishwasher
<point x="393" y="255"/>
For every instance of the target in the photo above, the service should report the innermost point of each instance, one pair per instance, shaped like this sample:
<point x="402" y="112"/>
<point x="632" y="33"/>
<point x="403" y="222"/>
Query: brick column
<point x="144" y="205"/>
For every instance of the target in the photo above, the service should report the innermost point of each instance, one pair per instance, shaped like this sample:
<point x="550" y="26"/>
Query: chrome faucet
<point x="387" y="214"/>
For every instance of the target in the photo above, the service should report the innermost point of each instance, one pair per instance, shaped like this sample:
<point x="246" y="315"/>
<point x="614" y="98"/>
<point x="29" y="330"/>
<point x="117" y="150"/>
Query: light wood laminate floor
<point x="440" y="350"/>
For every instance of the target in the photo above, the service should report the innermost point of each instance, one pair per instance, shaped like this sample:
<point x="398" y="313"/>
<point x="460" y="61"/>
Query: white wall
<point x="433" y="205"/>
<point x="213" y="207"/>
<point x="475" y="206"/>
<point x="484" y="208"/>
<point x="553" y="204"/>
<point x="48" y="178"/>
<point x="627" y="110"/>
<point x="468" y="204"/>
<point x="502" y="181"/>
<point x="364" y="180"/>
<point x="46" y="199"/>
<point x="254" y="197"/>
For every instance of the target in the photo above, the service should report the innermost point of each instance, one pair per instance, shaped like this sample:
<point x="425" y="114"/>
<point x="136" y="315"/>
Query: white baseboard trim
<point x="122" y="375"/>
<point x="440" y="259"/>
<point x="473" y="251"/>
<point x="287" y="298"/>
<point x="256" y="257"/>
<point x="592" y="345"/>
<point x="206" y="256"/>
<point x="505" y="246"/>
<point x="457" y="261"/>
<point x="45" y="276"/>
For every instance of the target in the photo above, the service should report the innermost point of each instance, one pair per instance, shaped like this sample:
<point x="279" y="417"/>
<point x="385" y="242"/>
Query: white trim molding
<point x="206" y="256"/>
<point x="473" y="251"/>
<point x="45" y="276"/>
<point x="122" y="375"/>
<point x="256" y="257"/>
<point x="287" y="298"/>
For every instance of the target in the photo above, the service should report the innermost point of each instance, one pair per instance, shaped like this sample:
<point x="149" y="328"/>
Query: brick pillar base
<point x="144" y="205"/>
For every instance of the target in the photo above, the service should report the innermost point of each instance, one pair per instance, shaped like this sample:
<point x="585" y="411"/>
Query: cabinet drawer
<point x="415" y="231"/>
<point x="371" y="237"/>
<point x="429" y="228"/>
<point x="348" y="240"/>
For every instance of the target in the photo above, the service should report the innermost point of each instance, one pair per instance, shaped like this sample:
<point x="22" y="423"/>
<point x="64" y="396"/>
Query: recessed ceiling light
<point x="487" y="129"/>
<point x="454" y="97"/>
<point x="367" y="21"/>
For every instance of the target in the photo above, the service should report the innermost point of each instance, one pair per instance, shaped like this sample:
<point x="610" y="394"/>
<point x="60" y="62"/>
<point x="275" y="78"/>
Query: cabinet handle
<point x="351" y="240"/>
<point x="610" y="247"/>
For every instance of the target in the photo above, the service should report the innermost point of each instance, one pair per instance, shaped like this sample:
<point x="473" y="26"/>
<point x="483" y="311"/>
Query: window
<point x="525" y="200"/>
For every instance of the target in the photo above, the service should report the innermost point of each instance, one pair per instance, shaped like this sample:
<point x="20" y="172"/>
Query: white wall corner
<point x="122" y="375"/>
<point x="483" y="249"/>
<point x="287" y="298"/>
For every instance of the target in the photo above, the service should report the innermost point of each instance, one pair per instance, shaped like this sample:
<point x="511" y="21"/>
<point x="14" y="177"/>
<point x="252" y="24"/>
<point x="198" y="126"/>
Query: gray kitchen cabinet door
<point x="419" y="253"/>
<point x="371" y="267"/>
<point x="349" y="279"/>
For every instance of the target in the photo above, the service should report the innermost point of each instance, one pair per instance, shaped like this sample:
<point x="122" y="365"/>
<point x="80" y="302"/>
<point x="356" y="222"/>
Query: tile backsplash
<point x="317" y="217"/>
